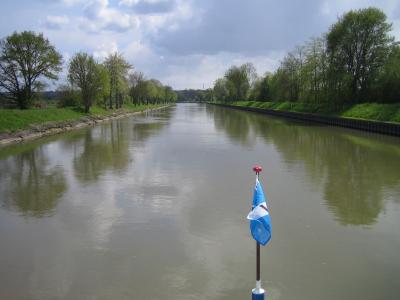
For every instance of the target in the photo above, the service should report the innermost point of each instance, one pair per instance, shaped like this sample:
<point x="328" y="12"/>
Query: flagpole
<point x="257" y="293"/>
<point x="258" y="277"/>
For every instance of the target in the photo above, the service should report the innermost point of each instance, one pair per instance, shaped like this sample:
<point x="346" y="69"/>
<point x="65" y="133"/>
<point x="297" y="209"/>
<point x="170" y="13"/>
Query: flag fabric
<point x="260" y="221"/>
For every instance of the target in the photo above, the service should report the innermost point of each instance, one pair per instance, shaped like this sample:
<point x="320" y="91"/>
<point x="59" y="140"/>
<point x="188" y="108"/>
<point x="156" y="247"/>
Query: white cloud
<point x="170" y="21"/>
<point x="100" y="15"/>
<point x="103" y="50"/>
<point x="71" y="2"/>
<point x="128" y="2"/>
<point x="135" y="2"/>
<point x="137" y="51"/>
<point x="184" y="43"/>
<point x="56" y="22"/>
<point x="198" y="71"/>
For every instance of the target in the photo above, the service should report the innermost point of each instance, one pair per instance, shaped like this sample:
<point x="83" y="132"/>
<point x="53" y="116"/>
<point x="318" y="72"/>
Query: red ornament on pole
<point x="257" y="169"/>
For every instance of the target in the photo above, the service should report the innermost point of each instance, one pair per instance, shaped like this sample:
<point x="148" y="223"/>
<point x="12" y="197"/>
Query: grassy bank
<point x="12" y="120"/>
<point x="366" y="111"/>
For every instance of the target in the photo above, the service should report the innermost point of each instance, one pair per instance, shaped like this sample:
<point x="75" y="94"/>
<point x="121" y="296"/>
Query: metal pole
<point x="258" y="292"/>
<point x="258" y="277"/>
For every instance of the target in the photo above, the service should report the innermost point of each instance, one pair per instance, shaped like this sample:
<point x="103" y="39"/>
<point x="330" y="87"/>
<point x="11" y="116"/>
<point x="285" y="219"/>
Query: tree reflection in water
<point x="103" y="149"/>
<point x="30" y="185"/>
<point x="108" y="147"/>
<point x="355" y="169"/>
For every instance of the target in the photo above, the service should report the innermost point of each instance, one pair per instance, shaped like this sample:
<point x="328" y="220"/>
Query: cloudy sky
<point x="183" y="43"/>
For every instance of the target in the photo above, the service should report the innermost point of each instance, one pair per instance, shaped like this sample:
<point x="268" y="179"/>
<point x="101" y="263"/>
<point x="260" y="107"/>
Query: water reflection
<point x="32" y="182"/>
<point x="104" y="147"/>
<point x="29" y="184"/>
<point x="355" y="169"/>
<point x="234" y="123"/>
<point x="142" y="131"/>
<point x="108" y="147"/>
<point x="163" y="198"/>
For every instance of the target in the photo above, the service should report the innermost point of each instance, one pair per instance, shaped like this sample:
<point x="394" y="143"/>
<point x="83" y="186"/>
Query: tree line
<point x="28" y="59"/>
<point x="355" y="61"/>
<point x="193" y="95"/>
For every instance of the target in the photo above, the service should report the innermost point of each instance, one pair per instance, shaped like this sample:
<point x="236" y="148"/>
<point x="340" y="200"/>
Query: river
<point x="154" y="207"/>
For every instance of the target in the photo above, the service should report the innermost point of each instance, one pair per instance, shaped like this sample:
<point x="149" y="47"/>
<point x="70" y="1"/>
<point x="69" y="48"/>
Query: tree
<point x="292" y="68"/>
<point x="220" y="90"/>
<point x="84" y="73"/>
<point x="118" y="69"/>
<point x="239" y="81"/>
<point x="67" y="95"/>
<point x="280" y="85"/>
<point x="25" y="58"/>
<point x="170" y="95"/>
<point x="388" y="81"/>
<point x="134" y="81"/>
<point x="104" y="85"/>
<point x="314" y="83"/>
<point x="358" y="45"/>
<point x="261" y="90"/>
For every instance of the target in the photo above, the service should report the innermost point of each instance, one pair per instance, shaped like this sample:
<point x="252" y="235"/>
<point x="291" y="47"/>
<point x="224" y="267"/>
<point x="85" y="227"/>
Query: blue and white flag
<point x="260" y="222"/>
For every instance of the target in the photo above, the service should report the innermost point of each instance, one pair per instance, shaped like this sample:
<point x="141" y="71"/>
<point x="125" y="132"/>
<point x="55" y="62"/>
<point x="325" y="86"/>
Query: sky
<point x="183" y="43"/>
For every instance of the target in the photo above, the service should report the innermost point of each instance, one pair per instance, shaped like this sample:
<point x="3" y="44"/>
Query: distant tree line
<point x="356" y="61"/>
<point x="28" y="59"/>
<point x="194" y="95"/>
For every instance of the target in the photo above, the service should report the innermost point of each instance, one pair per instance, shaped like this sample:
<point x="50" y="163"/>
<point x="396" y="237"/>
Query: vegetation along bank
<point x="390" y="128"/>
<point x="352" y="71"/>
<point x="21" y="125"/>
<point x="93" y="90"/>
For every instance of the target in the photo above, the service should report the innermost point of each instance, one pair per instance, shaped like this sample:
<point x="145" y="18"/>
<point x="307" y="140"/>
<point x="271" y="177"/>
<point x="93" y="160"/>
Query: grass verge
<point x="12" y="120"/>
<point x="366" y="111"/>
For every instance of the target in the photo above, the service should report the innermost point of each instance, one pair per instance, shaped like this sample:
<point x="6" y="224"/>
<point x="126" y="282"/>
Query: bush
<point x="68" y="96"/>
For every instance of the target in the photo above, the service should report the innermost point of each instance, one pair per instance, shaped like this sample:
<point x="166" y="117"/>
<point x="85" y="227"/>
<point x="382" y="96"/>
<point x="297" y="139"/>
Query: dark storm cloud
<point x="245" y="27"/>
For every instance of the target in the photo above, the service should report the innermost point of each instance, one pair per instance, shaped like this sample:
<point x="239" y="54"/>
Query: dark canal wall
<point x="371" y="126"/>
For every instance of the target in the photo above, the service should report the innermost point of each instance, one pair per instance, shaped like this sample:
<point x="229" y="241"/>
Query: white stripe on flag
<point x="258" y="212"/>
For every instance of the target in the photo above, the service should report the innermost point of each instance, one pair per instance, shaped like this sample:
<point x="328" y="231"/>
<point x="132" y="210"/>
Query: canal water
<point x="154" y="207"/>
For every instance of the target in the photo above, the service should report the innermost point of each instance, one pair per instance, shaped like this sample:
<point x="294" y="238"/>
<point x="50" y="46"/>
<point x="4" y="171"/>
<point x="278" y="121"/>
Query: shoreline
<point x="387" y="128"/>
<point x="56" y="127"/>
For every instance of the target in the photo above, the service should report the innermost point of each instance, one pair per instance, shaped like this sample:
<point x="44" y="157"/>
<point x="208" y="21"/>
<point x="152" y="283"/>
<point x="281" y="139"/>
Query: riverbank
<point x="21" y="125"/>
<point x="364" y="111"/>
<point x="335" y="119"/>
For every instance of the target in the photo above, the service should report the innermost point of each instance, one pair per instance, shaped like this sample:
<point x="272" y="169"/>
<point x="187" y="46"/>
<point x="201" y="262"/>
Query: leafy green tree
<point x="118" y="69"/>
<point x="358" y="45"/>
<point x="135" y="80"/>
<point x="206" y="95"/>
<point x="239" y="81"/>
<point x="292" y="67"/>
<point x="170" y="95"/>
<point x="141" y="92"/>
<point x="220" y="90"/>
<point x="25" y="58"/>
<point x="156" y="91"/>
<point x="265" y="89"/>
<point x="68" y="96"/>
<point x="104" y="85"/>
<point x="192" y="95"/>
<point x="261" y="90"/>
<point x="314" y="70"/>
<point x="281" y="86"/>
<point x="84" y="73"/>
<point x="388" y="82"/>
